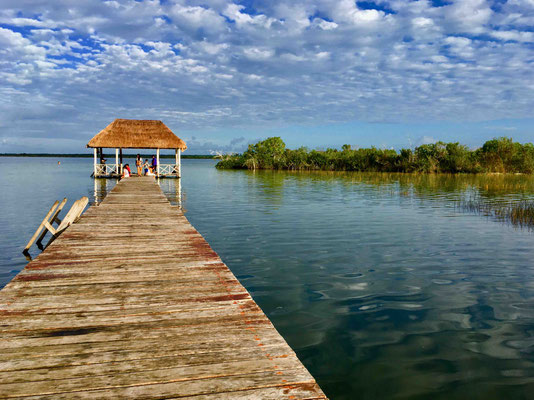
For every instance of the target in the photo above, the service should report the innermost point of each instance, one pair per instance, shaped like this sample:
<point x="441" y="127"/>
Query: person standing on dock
<point x="154" y="163"/>
<point x="139" y="165"/>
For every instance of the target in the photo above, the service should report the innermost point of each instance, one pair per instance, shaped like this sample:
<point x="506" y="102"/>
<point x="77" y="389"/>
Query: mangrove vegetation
<point x="500" y="155"/>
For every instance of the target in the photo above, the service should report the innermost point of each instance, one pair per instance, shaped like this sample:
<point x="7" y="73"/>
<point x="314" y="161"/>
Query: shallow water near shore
<point x="381" y="283"/>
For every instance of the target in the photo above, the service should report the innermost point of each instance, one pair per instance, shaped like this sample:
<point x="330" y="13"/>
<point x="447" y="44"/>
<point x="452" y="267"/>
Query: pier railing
<point x="115" y="169"/>
<point x="107" y="169"/>
<point x="168" y="169"/>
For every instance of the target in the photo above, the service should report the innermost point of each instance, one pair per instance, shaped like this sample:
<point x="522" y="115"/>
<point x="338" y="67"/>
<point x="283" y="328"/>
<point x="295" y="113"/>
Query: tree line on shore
<point x="497" y="155"/>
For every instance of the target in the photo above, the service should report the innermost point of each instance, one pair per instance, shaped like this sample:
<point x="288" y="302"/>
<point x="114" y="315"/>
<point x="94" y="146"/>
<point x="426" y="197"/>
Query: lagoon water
<point x="383" y="286"/>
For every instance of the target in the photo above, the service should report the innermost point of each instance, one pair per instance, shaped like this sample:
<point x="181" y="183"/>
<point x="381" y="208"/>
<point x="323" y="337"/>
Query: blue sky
<point x="222" y="73"/>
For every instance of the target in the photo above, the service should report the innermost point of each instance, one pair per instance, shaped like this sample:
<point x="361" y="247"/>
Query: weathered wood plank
<point x="223" y="349"/>
<point x="166" y="383"/>
<point x="132" y="302"/>
<point x="216" y="387"/>
<point x="197" y="366"/>
<point x="92" y="335"/>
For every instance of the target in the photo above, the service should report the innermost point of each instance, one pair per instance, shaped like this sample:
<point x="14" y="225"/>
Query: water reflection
<point x="508" y="198"/>
<point x="173" y="190"/>
<point x="102" y="186"/>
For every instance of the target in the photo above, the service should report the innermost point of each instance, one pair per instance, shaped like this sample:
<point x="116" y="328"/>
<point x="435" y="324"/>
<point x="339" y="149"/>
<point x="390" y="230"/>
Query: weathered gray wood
<point x="41" y="225"/>
<point x="132" y="302"/>
<point x="150" y="387"/>
<point x="55" y="219"/>
<point x="73" y="214"/>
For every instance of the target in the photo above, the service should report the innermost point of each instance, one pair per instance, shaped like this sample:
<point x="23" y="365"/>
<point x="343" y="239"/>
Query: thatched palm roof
<point x="137" y="134"/>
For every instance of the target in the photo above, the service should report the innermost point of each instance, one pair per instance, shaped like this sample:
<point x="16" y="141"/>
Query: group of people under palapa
<point x="143" y="168"/>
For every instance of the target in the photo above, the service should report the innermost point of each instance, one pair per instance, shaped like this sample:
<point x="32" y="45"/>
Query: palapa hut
<point x="135" y="134"/>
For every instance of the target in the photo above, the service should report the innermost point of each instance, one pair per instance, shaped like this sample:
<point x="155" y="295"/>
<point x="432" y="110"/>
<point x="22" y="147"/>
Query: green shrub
<point x="496" y="155"/>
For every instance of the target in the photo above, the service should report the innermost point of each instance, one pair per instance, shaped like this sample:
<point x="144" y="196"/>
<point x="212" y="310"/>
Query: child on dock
<point x="126" y="173"/>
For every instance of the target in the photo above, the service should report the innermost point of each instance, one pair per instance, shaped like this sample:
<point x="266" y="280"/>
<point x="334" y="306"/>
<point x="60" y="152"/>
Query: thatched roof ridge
<point x="137" y="134"/>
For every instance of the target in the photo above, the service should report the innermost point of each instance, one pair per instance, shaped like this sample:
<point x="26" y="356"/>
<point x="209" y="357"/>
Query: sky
<point x="225" y="73"/>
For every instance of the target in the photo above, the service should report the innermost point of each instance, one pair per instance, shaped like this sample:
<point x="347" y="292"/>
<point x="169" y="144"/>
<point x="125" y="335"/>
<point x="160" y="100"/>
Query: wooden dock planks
<point x="131" y="302"/>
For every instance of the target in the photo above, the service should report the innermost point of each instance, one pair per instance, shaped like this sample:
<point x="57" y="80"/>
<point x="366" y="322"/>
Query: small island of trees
<point x="501" y="155"/>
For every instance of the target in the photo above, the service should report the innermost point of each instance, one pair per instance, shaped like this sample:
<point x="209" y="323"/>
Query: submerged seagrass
<point x="137" y="134"/>
<point x="517" y="213"/>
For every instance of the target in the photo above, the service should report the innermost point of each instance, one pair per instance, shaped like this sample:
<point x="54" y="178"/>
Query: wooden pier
<point x="131" y="302"/>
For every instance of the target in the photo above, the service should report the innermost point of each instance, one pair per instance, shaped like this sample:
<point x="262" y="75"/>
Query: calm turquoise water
<point x="382" y="285"/>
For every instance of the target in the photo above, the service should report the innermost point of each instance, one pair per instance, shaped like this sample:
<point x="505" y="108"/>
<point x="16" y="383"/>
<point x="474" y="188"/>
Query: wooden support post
<point x="38" y="231"/>
<point x="100" y="157"/>
<point x="157" y="161"/>
<point x="95" y="159"/>
<point x="120" y="155"/>
<point x="176" y="162"/>
<point x="179" y="163"/>
<point x="117" y="161"/>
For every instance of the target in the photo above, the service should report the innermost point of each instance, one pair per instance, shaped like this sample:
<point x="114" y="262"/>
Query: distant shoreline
<point x="196" y="156"/>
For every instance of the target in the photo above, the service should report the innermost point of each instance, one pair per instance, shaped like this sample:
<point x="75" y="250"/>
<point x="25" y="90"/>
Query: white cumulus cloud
<point x="218" y="64"/>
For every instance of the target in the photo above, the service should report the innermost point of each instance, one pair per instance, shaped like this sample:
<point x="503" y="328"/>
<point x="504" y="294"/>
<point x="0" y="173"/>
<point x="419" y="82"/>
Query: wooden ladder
<point x="52" y="216"/>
